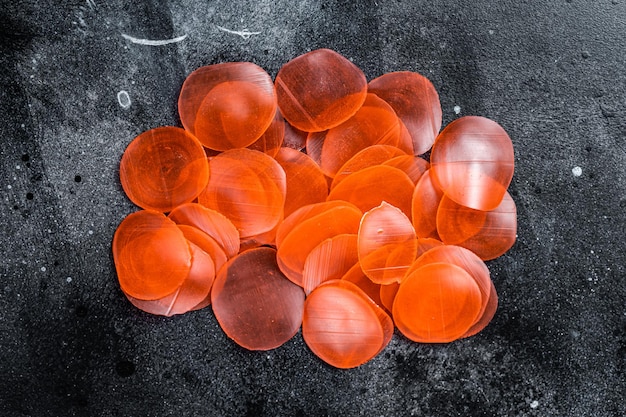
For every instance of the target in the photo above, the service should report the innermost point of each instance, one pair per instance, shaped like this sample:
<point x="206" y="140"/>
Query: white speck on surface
<point x="9" y="187"/>
<point x="577" y="171"/>
<point x="124" y="99"/>
<point x="68" y="279"/>
<point x="43" y="269"/>
<point x="491" y="32"/>
<point x="457" y="109"/>
<point x="153" y="42"/>
<point x="18" y="167"/>
<point x="534" y="404"/>
<point x="90" y="232"/>
<point x="245" y="34"/>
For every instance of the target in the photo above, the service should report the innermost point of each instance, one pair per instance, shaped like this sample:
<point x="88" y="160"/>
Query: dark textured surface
<point x="552" y="73"/>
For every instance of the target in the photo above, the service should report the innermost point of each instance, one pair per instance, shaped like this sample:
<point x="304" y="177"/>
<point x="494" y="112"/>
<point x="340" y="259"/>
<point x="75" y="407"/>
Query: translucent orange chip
<point x="375" y="123"/>
<point x="306" y="184"/>
<point x="190" y="294"/>
<point x="388" y="294"/>
<point x="371" y="186"/>
<point x="319" y="90"/>
<point x="304" y="213"/>
<point x="227" y="105"/>
<point x="296" y="246"/>
<point x="152" y="257"/>
<point x="472" y="161"/>
<point x="437" y="303"/>
<point x="356" y="276"/>
<point x="342" y="326"/>
<point x="163" y="168"/>
<point x="387" y="244"/>
<point x="488" y="234"/>
<point x="211" y="222"/>
<point x="271" y="140"/>
<point x="413" y="166"/>
<point x="424" y="205"/>
<point x="249" y="188"/>
<point x="370" y="156"/>
<point x="205" y="242"/>
<point x="331" y="259"/>
<point x="415" y="101"/>
<point x="254" y="303"/>
<point x="487" y="315"/>
<point x="471" y="263"/>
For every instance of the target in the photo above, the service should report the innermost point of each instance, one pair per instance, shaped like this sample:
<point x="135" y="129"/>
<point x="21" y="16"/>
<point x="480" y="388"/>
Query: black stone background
<point x="552" y="73"/>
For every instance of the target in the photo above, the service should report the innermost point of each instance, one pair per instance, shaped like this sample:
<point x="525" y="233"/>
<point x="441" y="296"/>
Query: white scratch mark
<point x="153" y="42"/>
<point x="124" y="99"/>
<point x="577" y="171"/>
<point x="245" y="34"/>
